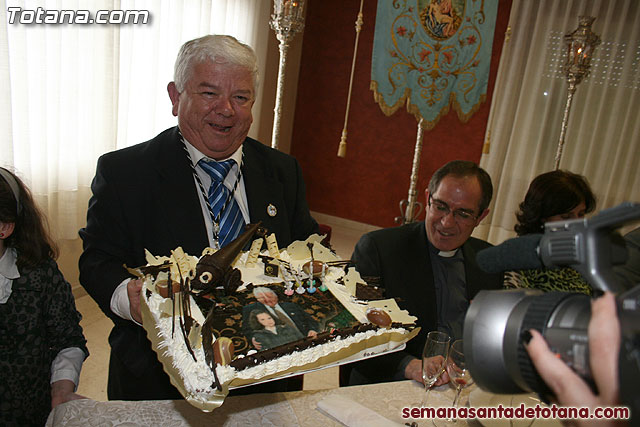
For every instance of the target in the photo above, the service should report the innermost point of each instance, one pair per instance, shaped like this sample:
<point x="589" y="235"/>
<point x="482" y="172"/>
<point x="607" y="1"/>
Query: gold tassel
<point x="342" y="148"/>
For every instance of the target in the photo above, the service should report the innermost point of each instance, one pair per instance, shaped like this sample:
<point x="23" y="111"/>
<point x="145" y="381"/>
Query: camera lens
<point x="495" y="322"/>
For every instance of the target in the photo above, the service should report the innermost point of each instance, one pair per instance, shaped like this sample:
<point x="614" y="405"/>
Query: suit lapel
<point x="428" y="289"/>
<point x="179" y="204"/>
<point x="415" y="281"/>
<point x="262" y="190"/>
<point x="474" y="277"/>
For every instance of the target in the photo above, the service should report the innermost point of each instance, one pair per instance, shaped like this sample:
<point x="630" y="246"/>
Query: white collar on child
<point x="8" y="272"/>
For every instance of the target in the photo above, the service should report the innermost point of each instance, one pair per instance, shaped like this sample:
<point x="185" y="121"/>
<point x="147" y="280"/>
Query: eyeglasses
<point x="462" y="216"/>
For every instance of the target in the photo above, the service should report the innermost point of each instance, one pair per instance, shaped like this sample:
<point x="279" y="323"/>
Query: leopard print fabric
<point x="547" y="280"/>
<point x="37" y="321"/>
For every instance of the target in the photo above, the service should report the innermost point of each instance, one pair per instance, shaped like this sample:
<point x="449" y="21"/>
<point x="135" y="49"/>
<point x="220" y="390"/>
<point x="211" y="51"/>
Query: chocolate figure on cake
<point x="214" y="270"/>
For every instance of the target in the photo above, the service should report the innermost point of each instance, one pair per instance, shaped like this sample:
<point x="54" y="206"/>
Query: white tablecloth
<point x="277" y="409"/>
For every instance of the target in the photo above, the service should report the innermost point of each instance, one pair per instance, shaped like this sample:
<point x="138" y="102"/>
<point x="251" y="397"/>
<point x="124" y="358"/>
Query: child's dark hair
<point x="30" y="237"/>
<point x="253" y="319"/>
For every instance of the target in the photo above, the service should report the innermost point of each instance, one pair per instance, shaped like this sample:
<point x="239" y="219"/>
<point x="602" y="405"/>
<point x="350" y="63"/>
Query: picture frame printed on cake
<point x="223" y="334"/>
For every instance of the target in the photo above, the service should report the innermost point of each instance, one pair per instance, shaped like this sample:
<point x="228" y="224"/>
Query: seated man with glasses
<point x="429" y="266"/>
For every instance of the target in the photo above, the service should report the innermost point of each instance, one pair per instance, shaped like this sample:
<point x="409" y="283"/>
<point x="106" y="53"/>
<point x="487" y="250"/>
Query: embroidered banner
<point x="431" y="54"/>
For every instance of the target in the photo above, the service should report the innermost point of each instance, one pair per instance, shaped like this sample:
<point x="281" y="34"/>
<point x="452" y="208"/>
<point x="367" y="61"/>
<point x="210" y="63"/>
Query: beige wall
<point x="70" y="251"/>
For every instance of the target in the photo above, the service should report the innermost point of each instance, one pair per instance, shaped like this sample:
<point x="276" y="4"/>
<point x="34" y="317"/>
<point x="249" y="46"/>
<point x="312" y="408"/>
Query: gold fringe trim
<point x="415" y="110"/>
<point x="379" y="98"/>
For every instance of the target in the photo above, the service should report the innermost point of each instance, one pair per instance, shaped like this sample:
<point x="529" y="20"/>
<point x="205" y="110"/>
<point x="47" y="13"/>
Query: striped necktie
<point x="222" y="201"/>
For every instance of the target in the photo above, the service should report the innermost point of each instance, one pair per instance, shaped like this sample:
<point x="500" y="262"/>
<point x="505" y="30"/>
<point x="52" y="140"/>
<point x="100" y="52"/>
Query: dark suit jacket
<point x="400" y="257"/>
<point x="144" y="197"/>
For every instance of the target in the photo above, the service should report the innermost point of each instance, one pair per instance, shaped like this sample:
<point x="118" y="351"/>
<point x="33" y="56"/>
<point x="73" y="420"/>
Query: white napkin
<point x="351" y="413"/>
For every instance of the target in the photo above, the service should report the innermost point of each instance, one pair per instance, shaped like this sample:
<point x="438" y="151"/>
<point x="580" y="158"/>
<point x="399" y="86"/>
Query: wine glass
<point x="459" y="375"/>
<point x="434" y="357"/>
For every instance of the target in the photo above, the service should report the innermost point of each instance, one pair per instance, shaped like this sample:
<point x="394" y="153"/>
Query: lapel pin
<point x="271" y="210"/>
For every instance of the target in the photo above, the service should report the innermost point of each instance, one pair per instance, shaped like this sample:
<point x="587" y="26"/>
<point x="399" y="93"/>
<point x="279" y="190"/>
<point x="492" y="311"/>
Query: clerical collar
<point x="443" y="254"/>
<point x="448" y="254"/>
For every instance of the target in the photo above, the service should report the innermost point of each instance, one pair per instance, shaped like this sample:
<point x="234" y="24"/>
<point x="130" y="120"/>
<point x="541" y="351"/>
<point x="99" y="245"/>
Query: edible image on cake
<point x="227" y="318"/>
<point x="264" y="317"/>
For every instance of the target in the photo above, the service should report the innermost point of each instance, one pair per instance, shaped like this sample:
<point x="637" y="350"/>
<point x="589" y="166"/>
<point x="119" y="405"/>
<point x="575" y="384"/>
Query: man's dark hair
<point x="460" y="169"/>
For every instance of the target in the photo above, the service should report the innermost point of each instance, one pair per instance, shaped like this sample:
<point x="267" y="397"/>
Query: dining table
<point x="384" y="402"/>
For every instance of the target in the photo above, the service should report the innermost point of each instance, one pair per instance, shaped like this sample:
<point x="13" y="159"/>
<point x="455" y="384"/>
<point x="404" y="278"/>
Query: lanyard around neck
<point x="215" y="219"/>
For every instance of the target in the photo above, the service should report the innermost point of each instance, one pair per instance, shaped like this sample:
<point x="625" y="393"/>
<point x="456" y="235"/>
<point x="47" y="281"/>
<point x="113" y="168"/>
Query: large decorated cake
<point x="231" y="318"/>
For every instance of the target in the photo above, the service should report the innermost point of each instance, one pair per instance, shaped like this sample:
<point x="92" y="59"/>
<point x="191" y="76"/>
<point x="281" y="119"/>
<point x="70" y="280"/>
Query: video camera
<point x="495" y="320"/>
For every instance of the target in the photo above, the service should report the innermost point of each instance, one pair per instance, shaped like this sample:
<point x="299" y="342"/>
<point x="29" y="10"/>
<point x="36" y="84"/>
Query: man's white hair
<point x="261" y="290"/>
<point x="216" y="48"/>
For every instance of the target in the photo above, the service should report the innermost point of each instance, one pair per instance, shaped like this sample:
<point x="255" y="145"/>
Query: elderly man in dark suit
<point x="194" y="186"/>
<point x="288" y="313"/>
<point x="429" y="266"/>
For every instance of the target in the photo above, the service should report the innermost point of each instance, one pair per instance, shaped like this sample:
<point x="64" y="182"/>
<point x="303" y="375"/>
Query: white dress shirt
<point x="120" y="300"/>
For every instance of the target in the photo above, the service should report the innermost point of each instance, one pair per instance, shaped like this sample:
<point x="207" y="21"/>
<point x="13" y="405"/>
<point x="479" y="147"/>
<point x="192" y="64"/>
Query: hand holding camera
<point x="604" y="346"/>
<point x="556" y="343"/>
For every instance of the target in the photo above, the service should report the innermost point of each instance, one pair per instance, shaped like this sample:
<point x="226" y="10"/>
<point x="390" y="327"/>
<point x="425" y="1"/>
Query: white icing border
<point x="197" y="378"/>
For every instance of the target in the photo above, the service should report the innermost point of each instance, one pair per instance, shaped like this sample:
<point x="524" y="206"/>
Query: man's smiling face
<point x="214" y="109"/>
<point x="268" y="298"/>
<point x="444" y="231"/>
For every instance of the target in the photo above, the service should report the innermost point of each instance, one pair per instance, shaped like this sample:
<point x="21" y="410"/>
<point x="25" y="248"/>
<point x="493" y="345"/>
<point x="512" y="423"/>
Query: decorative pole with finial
<point x="580" y="46"/>
<point x="411" y="208"/>
<point x="287" y="20"/>
<point x="342" y="148"/>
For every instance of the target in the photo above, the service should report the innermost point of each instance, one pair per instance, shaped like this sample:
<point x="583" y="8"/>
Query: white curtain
<point x="73" y="92"/>
<point x="603" y="132"/>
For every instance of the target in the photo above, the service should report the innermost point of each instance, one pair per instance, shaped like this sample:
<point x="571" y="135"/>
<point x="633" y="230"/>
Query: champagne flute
<point x="434" y="357"/>
<point x="459" y="375"/>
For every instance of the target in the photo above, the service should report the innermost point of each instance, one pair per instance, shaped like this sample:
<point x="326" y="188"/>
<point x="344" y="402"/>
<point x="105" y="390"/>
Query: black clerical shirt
<point x="451" y="291"/>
